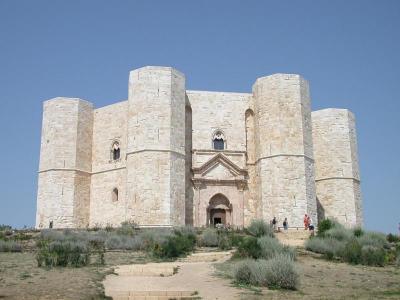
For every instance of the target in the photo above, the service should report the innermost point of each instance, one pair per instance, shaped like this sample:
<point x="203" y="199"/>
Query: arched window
<point x="115" y="151"/>
<point x="218" y="140"/>
<point x="114" y="195"/>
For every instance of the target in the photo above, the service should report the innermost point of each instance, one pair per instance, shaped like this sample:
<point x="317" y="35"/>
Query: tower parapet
<point x="156" y="146"/>
<point x="336" y="164"/>
<point x="65" y="163"/>
<point x="284" y="157"/>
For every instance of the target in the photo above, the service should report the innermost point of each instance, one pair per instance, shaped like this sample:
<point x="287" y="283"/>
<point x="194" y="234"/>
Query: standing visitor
<point x="274" y="223"/>
<point x="305" y="222"/>
<point x="285" y="224"/>
<point x="310" y="226"/>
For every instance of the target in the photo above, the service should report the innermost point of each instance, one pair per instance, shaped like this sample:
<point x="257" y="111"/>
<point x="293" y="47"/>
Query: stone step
<point x="153" y="295"/>
<point x="152" y="269"/>
<point x="207" y="256"/>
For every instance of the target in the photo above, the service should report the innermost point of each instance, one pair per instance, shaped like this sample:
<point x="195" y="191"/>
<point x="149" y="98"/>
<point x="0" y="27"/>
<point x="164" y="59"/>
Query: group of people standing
<point x="308" y="223"/>
<point x="274" y="224"/>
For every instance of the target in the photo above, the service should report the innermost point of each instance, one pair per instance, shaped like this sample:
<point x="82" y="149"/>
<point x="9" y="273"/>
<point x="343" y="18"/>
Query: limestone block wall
<point x="156" y="146"/>
<point x="336" y="164"/>
<point x="218" y="110"/>
<point x="284" y="155"/>
<point x="109" y="125"/>
<point x="65" y="163"/>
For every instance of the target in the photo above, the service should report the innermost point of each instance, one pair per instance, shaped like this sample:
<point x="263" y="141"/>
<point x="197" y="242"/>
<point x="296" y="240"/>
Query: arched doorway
<point x="219" y="210"/>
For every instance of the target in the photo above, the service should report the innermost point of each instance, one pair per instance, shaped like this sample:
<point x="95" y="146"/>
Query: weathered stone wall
<point x="284" y="148"/>
<point x="109" y="125"/>
<point x="337" y="172"/>
<point x="156" y="146"/>
<point x="65" y="163"/>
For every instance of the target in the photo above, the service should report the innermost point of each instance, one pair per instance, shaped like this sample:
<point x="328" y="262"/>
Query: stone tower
<point x="336" y="166"/>
<point x="284" y="156"/>
<point x="65" y="164"/>
<point x="156" y="146"/>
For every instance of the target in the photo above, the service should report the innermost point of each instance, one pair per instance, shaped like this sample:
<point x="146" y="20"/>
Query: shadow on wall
<point x="320" y="211"/>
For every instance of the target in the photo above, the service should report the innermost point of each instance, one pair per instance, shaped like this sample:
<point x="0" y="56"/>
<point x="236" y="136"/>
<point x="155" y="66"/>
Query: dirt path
<point x="195" y="276"/>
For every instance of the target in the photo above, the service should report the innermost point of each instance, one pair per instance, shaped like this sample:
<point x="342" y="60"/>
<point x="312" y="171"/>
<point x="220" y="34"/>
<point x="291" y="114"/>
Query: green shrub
<point x="249" y="247"/>
<point x="339" y="233"/>
<point x="10" y="246"/>
<point x="391" y="238"/>
<point x="271" y="247"/>
<point x="352" y="252"/>
<point x="372" y="256"/>
<point x="260" y="228"/>
<point x="123" y="242"/>
<point x="329" y="247"/>
<point x="4" y="227"/>
<point x="209" y="238"/>
<point x="224" y="242"/>
<point x="62" y="253"/>
<point x="375" y="239"/>
<point x="324" y="225"/>
<point x="236" y="238"/>
<point x="281" y="273"/>
<point x="357" y="232"/>
<point x="249" y="272"/>
<point x="181" y="242"/>
<point x="278" y="272"/>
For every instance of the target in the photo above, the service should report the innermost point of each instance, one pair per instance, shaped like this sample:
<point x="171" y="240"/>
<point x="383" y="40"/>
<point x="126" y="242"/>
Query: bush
<point x="260" y="228"/>
<point x="357" y="232"/>
<point x="375" y="239"/>
<point x="324" y="225"/>
<point x="62" y="253"/>
<point x="10" y="246"/>
<point x="209" y="238"/>
<point x="249" y="272"/>
<point x="392" y="238"/>
<point x="124" y="242"/>
<point x="181" y="242"/>
<point x="372" y="256"/>
<point x="281" y="273"/>
<point x="278" y="272"/>
<point x="271" y="247"/>
<point x="329" y="247"/>
<point x="352" y="252"/>
<point x="398" y="260"/>
<point x="224" y="242"/>
<point x="249" y="247"/>
<point x="339" y="233"/>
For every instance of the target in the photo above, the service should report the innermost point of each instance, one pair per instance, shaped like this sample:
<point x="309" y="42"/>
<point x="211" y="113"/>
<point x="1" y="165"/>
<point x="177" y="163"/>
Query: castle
<point x="169" y="156"/>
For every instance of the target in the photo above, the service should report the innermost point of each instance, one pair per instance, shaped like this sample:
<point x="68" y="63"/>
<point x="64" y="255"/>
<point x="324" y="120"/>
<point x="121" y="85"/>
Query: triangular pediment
<point x="219" y="167"/>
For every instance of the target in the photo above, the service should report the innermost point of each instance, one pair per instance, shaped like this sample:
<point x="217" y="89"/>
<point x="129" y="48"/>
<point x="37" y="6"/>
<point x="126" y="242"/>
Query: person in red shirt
<point x="306" y="222"/>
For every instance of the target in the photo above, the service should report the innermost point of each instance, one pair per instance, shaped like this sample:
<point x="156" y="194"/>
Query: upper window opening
<point x="218" y="141"/>
<point x="116" y="151"/>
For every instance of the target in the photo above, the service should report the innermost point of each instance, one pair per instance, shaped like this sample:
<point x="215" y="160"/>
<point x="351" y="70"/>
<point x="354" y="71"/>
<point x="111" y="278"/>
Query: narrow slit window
<point x="114" y="195"/>
<point x="116" y="151"/>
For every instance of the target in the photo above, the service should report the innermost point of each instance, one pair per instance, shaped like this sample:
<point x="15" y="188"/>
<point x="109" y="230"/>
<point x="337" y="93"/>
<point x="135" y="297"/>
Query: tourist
<point x="274" y="223"/>
<point x="305" y="222"/>
<point x="310" y="225"/>
<point x="285" y="224"/>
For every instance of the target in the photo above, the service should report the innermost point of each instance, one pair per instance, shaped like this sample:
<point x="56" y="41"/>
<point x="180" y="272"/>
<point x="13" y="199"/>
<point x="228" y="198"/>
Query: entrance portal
<point x="219" y="210"/>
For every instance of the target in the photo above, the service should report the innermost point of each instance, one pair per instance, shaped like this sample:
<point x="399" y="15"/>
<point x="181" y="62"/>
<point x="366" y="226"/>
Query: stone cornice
<point x="283" y="154"/>
<point x="80" y="171"/>
<point x="155" y="150"/>
<point x="333" y="178"/>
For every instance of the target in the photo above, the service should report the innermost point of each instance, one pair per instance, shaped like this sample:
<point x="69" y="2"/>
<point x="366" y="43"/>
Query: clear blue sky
<point x="348" y="50"/>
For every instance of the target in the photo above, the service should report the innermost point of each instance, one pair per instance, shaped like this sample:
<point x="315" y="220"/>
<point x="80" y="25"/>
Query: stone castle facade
<point x="169" y="156"/>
